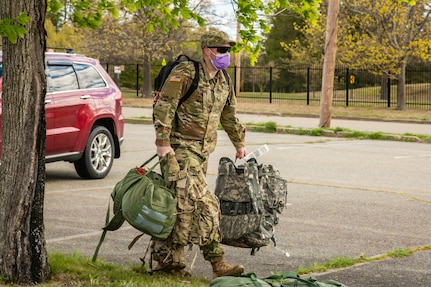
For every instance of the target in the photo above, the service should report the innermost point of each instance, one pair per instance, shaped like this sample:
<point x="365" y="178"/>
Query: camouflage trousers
<point x="198" y="218"/>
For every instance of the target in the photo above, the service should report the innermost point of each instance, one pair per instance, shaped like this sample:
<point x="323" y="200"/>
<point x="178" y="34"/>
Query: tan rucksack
<point x="251" y="198"/>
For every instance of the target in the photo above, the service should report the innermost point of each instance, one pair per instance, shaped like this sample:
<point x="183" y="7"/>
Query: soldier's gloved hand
<point x="162" y="150"/>
<point x="241" y="152"/>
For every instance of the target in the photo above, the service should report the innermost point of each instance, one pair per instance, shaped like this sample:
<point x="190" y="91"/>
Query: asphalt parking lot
<point x="347" y="198"/>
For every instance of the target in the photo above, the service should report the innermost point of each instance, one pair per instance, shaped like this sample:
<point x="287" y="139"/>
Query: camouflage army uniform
<point x="191" y="130"/>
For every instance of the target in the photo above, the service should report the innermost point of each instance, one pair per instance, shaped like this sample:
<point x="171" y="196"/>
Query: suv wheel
<point x="98" y="157"/>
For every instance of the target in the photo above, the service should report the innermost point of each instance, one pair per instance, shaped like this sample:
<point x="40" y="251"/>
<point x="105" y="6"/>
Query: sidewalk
<point x="304" y="122"/>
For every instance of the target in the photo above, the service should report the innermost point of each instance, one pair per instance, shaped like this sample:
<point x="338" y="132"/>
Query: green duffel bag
<point x="148" y="204"/>
<point x="285" y="279"/>
<point x="244" y="280"/>
<point x="145" y="200"/>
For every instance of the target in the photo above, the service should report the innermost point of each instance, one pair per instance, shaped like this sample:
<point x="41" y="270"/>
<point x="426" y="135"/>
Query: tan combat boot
<point x="222" y="268"/>
<point x="174" y="264"/>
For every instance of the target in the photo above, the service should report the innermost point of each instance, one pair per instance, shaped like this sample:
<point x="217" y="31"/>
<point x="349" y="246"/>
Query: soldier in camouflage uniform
<point x="188" y="133"/>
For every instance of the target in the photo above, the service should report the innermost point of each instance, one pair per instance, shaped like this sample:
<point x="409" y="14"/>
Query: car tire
<point x="98" y="157"/>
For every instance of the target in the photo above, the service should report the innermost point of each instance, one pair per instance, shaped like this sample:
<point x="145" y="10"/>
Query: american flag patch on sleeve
<point x="175" y="79"/>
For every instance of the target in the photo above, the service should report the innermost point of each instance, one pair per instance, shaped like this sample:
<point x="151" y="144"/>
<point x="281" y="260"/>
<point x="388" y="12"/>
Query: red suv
<point x="84" y="122"/>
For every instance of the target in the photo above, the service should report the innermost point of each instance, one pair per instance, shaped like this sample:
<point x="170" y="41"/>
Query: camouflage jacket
<point x="194" y="123"/>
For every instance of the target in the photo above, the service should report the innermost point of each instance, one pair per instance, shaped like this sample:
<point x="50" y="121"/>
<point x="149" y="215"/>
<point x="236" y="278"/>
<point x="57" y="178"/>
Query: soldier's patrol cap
<point x="216" y="38"/>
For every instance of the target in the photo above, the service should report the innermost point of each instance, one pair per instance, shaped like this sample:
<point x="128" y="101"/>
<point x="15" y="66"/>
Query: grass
<point x="343" y="262"/>
<point x="272" y="127"/>
<point x="77" y="270"/>
<point x="267" y="127"/>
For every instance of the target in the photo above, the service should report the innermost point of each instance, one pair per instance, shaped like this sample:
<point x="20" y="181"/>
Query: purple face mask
<point x="222" y="61"/>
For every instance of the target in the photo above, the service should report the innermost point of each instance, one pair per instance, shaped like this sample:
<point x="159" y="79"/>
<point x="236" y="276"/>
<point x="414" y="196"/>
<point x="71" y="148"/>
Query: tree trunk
<point x="401" y="88"/>
<point x="23" y="255"/>
<point x="147" y="92"/>
<point x="238" y="63"/>
<point x="329" y="64"/>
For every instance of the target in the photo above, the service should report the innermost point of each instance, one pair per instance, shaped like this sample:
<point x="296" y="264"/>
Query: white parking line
<point x="94" y="233"/>
<point x="403" y="156"/>
<point x="411" y="156"/>
<point x="79" y="189"/>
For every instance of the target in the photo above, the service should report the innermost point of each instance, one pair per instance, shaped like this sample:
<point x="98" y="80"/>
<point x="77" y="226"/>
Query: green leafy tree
<point x="115" y="41"/>
<point x="254" y="15"/>
<point x="287" y="45"/>
<point x="286" y="28"/>
<point x="156" y="45"/>
<point x="308" y="49"/>
<point x="65" y="37"/>
<point x="385" y="36"/>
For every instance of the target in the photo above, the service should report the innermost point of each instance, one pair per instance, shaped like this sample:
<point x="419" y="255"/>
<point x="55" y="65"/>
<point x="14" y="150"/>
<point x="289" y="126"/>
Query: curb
<point x="407" y="121"/>
<point x="312" y="132"/>
<point x="334" y="133"/>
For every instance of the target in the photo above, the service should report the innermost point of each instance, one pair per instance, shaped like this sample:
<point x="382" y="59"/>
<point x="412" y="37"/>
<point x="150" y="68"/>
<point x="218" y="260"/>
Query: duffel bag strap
<point x="292" y="275"/>
<point x="149" y="160"/>
<point x="164" y="169"/>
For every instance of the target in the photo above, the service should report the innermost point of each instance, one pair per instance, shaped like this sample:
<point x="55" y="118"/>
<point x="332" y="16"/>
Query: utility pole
<point x="329" y="64"/>
<point x="238" y="62"/>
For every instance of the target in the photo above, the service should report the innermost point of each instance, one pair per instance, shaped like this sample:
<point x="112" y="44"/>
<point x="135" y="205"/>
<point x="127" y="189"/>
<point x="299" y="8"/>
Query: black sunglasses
<point x="221" y="50"/>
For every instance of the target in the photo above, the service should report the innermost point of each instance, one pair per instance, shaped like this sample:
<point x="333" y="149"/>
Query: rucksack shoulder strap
<point x="251" y="173"/>
<point x="190" y="91"/>
<point x="226" y="165"/>
<point x="226" y="76"/>
<point x="194" y="84"/>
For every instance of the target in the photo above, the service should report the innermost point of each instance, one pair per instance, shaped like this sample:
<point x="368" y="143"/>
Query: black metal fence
<point x="352" y="87"/>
